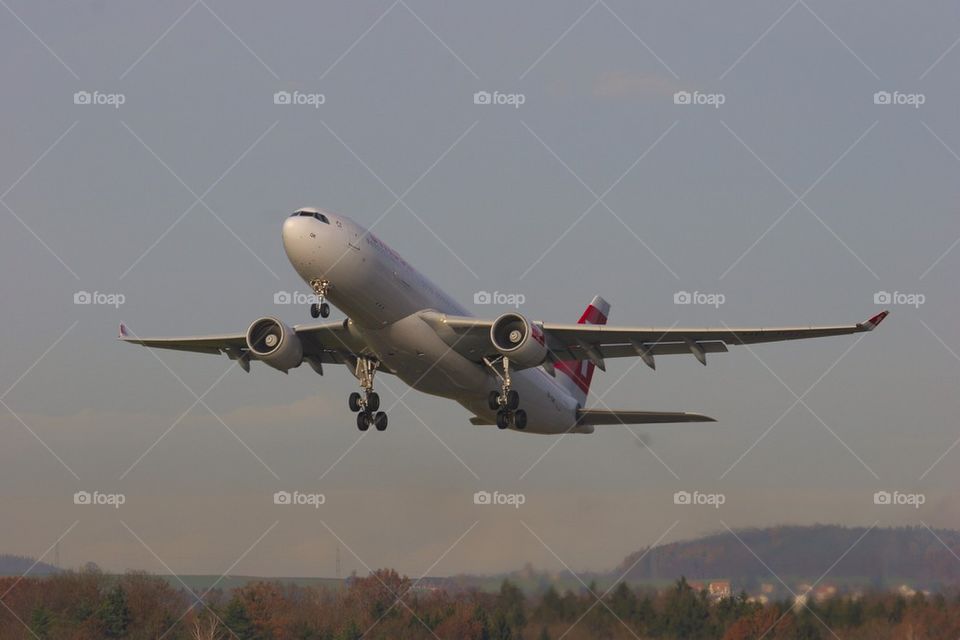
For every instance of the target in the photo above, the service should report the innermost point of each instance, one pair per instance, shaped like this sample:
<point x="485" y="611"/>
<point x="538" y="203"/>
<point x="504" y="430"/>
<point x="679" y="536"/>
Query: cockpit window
<point x="313" y="214"/>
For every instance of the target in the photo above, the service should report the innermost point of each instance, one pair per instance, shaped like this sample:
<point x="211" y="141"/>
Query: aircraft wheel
<point x="380" y="421"/>
<point x="324" y="310"/>
<point x="373" y="401"/>
<point x="354" y="402"/>
<point x="363" y="421"/>
<point x="513" y="400"/>
<point x="520" y="419"/>
<point x="503" y="419"/>
<point x="315" y="310"/>
<point x="493" y="400"/>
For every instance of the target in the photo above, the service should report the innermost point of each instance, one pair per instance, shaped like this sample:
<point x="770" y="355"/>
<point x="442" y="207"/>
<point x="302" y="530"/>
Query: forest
<point x="91" y="605"/>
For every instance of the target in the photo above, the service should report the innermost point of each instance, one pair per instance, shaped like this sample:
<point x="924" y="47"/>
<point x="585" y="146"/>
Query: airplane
<point x="511" y="372"/>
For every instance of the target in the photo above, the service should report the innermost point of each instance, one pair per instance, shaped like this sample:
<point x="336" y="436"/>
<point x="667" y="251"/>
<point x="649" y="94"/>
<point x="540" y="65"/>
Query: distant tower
<point x="338" y="562"/>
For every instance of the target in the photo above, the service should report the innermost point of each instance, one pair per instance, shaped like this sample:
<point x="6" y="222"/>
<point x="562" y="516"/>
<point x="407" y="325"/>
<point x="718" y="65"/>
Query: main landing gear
<point x="505" y="402"/>
<point x="367" y="405"/>
<point x="320" y="308"/>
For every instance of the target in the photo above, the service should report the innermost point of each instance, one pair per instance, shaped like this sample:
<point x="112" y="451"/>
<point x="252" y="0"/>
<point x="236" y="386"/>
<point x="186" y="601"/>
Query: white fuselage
<point x="383" y="296"/>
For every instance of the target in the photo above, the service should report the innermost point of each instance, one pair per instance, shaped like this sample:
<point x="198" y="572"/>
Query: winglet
<point x="873" y="322"/>
<point x="123" y="331"/>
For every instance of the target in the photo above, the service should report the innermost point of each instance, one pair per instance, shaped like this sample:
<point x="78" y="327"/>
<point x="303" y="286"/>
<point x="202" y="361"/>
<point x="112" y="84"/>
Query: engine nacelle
<point x="275" y="343"/>
<point x="519" y="339"/>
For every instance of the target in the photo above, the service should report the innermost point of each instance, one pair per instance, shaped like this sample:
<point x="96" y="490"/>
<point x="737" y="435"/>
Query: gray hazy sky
<point x="798" y="199"/>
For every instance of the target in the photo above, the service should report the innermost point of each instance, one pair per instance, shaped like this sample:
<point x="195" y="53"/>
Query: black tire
<point x="513" y="400"/>
<point x="315" y="310"/>
<point x="520" y="419"/>
<point x="493" y="400"/>
<point x="373" y="401"/>
<point x="363" y="421"/>
<point x="354" y="402"/>
<point x="503" y="419"/>
<point x="380" y="421"/>
<point x="324" y="310"/>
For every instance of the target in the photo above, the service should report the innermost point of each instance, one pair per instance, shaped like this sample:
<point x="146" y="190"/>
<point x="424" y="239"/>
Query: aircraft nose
<point x="297" y="238"/>
<point x="291" y="228"/>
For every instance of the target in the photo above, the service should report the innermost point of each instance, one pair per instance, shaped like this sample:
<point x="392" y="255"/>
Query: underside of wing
<point x="471" y="338"/>
<point x="223" y="343"/>
<point x="326" y="343"/>
<point x="612" y="417"/>
<point x="580" y="341"/>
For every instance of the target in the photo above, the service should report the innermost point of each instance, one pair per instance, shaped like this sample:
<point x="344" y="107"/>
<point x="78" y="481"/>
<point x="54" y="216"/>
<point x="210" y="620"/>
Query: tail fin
<point x="575" y="375"/>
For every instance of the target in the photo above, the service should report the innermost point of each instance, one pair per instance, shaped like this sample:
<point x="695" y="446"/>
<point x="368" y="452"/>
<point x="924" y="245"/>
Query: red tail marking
<point x="581" y="371"/>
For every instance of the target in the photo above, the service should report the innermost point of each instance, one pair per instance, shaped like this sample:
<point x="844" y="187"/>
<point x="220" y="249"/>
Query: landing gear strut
<point x="367" y="405"/>
<point x="320" y="308"/>
<point x="506" y="402"/>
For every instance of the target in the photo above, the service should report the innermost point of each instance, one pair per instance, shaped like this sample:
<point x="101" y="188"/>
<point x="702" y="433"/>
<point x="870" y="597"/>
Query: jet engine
<point x="517" y="338"/>
<point x="275" y="343"/>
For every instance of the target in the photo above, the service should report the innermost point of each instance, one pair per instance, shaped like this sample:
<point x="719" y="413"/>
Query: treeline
<point x="91" y="606"/>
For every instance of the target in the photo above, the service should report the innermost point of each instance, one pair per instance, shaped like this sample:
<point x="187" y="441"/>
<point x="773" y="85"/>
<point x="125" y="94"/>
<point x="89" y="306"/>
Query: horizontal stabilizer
<point x="606" y="417"/>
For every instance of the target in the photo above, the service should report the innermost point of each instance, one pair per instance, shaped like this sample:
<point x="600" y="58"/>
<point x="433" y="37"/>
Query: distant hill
<point x="884" y="557"/>
<point x="18" y="565"/>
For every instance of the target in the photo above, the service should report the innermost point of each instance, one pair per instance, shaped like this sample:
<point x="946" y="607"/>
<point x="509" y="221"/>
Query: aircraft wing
<point x="323" y="343"/>
<point x="471" y="337"/>
<point x="598" y="417"/>
<point x="611" y="417"/>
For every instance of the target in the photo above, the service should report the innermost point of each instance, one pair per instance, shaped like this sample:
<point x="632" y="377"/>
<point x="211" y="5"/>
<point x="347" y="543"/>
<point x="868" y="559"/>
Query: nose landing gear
<point x="320" y="308"/>
<point x="367" y="405"/>
<point x="506" y="402"/>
